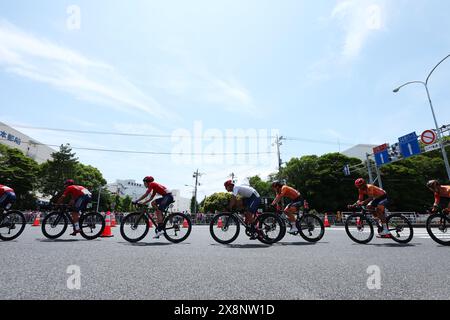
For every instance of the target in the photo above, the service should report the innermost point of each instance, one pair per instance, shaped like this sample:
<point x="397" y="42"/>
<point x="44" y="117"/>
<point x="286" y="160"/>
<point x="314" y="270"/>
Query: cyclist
<point x="79" y="199"/>
<point x="7" y="197"/>
<point x="250" y="198"/>
<point x="160" y="204"/>
<point x="292" y="209"/>
<point x="441" y="195"/>
<point x="376" y="201"/>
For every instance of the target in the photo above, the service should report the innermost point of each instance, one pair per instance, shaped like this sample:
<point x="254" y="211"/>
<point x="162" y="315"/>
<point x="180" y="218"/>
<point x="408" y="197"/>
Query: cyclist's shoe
<point x="293" y="230"/>
<point x="158" y="234"/>
<point x="385" y="234"/>
<point x="75" y="233"/>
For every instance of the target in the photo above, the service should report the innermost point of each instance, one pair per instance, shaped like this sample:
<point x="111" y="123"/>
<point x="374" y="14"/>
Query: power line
<point x="153" y="152"/>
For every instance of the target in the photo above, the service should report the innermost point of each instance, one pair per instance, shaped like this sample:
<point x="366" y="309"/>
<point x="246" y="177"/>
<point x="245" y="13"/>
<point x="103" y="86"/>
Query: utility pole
<point x="369" y="169"/>
<point x="232" y="176"/>
<point x="279" y="143"/>
<point x="196" y="176"/>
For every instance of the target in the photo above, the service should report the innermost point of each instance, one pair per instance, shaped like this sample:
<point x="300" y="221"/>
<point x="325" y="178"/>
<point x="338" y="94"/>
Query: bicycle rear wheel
<point x="438" y="227"/>
<point x="400" y="228"/>
<point x="92" y="225"/>
<point x="359" y="228"/>
<point x="224" y="228"/>
<point x="271" y="227"/>
<point x="311" y="228"/>
<point x="177" y="227"/>
<point x="134" y="227"/>
<point x="12" y="225"/>
<point x="54" y="225"/>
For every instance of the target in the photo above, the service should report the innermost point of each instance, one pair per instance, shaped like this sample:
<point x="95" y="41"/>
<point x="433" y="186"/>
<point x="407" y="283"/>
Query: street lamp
<point x="425" y="84"/>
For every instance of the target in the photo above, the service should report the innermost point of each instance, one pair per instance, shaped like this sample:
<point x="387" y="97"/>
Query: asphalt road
<point x="33" y="267"/>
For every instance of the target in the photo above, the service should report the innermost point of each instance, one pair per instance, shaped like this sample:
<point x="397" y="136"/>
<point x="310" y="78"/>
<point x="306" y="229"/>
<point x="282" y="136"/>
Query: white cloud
<point x="40" y="60"/>
<point x="359" y="19"/>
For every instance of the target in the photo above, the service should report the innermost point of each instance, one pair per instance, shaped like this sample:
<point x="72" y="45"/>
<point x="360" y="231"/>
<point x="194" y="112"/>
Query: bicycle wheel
<point x="359" y="228"/>
<point x="92" y="225"/>
<point x="400" y="228"/>
<point x="134" y="227"/>
<point x="438" y="227"/>
<point x="270" y="225"/>
<point x="224" y="228"/>
<point x="54" y="225"/>
<point x="12" y="225"/>
<point x="177" y="227"/>
<point x="311" y="228"/>
<point x="283" y="231"/>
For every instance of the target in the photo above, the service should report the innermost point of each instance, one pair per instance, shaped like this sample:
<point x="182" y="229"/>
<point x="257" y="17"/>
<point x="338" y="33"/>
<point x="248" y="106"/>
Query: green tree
<point x="20" y="173"/>
<point x="264" y="188"/>
<point x="62" y="166"/>
<point x="216" y="201"/>
<point x="192" y="205"/>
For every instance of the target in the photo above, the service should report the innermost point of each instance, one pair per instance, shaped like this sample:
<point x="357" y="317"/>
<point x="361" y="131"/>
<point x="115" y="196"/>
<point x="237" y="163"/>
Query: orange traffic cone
<point x="220" y="223"/>
<point x="326" y="222"/>
<point x="107" y="233"/>
<point x="37" y="220"/>
<point x="185" y="224"/>
<point x="113" y="221"/>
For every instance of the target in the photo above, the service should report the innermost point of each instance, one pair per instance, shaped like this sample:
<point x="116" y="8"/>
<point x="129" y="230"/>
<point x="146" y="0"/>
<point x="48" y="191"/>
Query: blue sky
<point x="320" y="70"/>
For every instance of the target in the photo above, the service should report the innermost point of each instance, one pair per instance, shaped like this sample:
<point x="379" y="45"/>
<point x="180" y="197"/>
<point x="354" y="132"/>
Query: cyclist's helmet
<point x="360" y="182"/>
<point x="69" y="182"/>
<point x="149" y="179"/>
<point x="276" y="184"/>
<point x="228" y="183"/>
<point x="432" y="183"/>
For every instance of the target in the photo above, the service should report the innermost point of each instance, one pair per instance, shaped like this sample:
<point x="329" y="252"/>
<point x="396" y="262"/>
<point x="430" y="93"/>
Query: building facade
<point x="29" y="146"/>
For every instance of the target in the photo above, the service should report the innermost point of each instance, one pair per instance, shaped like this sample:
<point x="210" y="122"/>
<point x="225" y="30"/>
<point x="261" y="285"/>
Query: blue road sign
<point x="382" y="158"/>
<point x="409" y="145"/>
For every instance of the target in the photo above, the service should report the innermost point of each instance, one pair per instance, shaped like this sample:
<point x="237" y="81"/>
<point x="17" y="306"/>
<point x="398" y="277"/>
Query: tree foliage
<point x="217" y="201"/>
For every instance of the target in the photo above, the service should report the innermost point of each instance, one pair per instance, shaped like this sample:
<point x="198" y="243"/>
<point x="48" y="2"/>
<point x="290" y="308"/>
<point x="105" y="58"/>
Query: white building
<point x="359" y="151"/>
<point x="135" y="190"/>
<point x="29" y="146"/>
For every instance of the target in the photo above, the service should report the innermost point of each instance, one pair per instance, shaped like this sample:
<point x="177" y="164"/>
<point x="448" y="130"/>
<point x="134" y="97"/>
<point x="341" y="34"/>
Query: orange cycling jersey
<point x="372" y="192"/>
<point x="444" y="192"/>
<point x="288" y="192"/>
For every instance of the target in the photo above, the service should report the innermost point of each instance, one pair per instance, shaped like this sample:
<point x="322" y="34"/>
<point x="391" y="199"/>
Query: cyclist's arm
<point x="151" y="198"/>
<point x="437" y="199"/>
<point x="277" y="199"/>
<point x="144" y="196"/>
<point x="63" y="196"/>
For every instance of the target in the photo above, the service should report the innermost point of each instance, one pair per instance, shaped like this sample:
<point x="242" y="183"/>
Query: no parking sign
<point x="428" y="137"/>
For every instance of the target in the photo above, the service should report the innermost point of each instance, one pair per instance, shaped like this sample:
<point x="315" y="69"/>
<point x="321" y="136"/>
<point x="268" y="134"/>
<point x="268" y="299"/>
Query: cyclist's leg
<point x="291" y="212"/>
<point x="159" y="216"/>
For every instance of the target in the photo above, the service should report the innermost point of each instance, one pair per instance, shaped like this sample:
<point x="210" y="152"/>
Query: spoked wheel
<point x="224" y="228"/>
<point x="177" y="227"/>
<point x="359" y="228"/>
<point x="438" y="227"/>
<point x="311" y="228"/>
<point x="270" y="226"/>
<point x="54" y="225"/>
<point x="12" y="225"/>
<point x="400" y="228"/>
<point x="134" y="227"/>
<point x="92" y="225"/>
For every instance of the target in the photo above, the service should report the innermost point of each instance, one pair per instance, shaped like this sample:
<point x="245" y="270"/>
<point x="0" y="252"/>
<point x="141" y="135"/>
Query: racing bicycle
<point x="54" y="225"/>
<point x="438" y="225"/>
<point x="225" y="227"/>
<point x="12" y="224"/>
<point x="360" y="226"/>
<point x="135" y="226"/>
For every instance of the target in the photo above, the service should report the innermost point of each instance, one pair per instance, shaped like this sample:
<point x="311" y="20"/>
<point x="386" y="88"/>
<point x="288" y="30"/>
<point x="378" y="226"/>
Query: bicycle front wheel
<point x="134" y="227"/>
<point x="311" y="228"/>
<point x="359" y="228"/>
<point x="271" y="227"/>
<point x="177" y="227"/>
<point x="224" y="228"/>
<point x="54" y="225"/>
<point x="438" y="227"/>
<point x="400" y="228"/>
<point x="12" y="225"/>
<point x="92" y="225"/>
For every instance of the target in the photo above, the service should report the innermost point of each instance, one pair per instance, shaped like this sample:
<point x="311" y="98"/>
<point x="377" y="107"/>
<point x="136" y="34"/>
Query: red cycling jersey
<point x="4" y="189"/>
<point x="444" y="192"/>
<point x="157" y="189"/>
<point x="76" y="191"/>
<point x="372" y="192"/>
